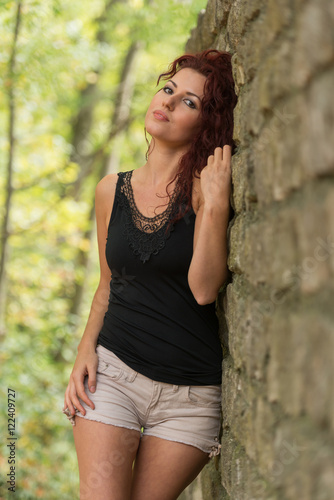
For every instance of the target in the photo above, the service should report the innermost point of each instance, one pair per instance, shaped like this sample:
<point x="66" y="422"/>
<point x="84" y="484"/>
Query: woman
<point x="146" y="383"/>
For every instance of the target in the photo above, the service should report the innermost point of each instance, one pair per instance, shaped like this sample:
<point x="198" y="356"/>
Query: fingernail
<point x="92" y="388"/>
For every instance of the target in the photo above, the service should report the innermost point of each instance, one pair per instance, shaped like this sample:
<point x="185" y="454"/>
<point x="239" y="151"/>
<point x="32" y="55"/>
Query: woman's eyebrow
<point x="188" y="93"/>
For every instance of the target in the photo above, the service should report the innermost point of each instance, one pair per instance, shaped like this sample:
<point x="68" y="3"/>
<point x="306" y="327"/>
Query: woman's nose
<point x="168" y="101"/>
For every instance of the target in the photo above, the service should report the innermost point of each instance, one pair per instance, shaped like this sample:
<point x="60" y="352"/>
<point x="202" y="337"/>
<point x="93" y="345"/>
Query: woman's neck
<point x="162" y="164"/>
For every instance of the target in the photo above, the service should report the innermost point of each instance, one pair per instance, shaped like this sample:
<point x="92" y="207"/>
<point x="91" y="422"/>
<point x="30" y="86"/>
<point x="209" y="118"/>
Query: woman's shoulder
<point x="105" y="188"/>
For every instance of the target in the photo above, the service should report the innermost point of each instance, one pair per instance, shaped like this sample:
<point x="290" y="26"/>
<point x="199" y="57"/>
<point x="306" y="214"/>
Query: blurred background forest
<point x="75" y="81"/>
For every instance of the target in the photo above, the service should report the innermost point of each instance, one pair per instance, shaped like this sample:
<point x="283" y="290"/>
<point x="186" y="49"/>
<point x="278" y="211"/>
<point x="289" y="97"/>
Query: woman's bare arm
<point x="208" y="268"/>
<point x="86" y="361"/>
<point x="104" y="196"/>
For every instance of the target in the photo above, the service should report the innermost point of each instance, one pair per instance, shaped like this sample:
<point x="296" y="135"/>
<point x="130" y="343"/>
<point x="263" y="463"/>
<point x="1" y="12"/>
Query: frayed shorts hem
<point x="78" y="414"/>
<point x="213" y="451"/>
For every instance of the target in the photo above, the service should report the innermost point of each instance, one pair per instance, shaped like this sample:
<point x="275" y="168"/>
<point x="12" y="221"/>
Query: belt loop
<point x="131" y="375"/>
<point x="175" y="388"/>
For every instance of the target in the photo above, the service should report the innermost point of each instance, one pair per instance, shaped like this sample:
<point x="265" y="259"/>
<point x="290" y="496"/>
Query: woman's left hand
<point x="216" y="178"/>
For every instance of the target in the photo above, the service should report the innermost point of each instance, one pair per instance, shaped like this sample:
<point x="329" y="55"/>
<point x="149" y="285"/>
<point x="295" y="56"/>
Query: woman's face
<point x="173" y="116"/>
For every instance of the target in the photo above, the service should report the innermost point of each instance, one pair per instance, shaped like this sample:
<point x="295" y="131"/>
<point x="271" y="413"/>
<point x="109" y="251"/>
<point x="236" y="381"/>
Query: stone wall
<point x="278" y="369"/>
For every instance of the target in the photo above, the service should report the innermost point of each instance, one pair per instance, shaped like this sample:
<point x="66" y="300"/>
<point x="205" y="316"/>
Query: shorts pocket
<point x="113" y="372"/>
<point x="204" y="395"/>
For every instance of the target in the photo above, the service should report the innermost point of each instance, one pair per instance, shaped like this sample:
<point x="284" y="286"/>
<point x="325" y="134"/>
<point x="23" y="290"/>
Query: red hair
<point x="217" y="107"/>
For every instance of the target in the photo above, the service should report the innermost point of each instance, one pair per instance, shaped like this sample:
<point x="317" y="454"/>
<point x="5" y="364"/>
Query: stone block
<point x="212" y="488"/>
<point x="238" y="73"/>
<point x="256" y="258"/>
<point x="317" y="127"/>
<point x="223" y="330"/>
<point x="228" y="443"/>
<point x="272" y="86"/>
<point x="287" y="164"/>
<point x="277" y="15"/>
<point x="256" y="118"/>
<point x="275" y="155"/>
<point x="263" y="435"/>
<point x="197" y="41"/>
<point x="251" y="46"/>
<point x="236" y="256"/>
<point x="222" y="43"/>
<point x="254" y="332"/>
<point x="247" y="105"/>
<point x="238" y="407"/>
<point x="210" y="21"/>
<point x="314" y="40"/>
<point x="242" y="15"/>
<point x="257" y="487"/>
<point x="250" y="392"/>
<point x="273" y="240"/>
<point x="248" y="329"/>
<point x="252" y="10"/>
<point x="304" y="458"/>
<point x="287" y="362"/>
<point x="300" y="369"/>
<point x="282" y="252"/>
<point x="239" y="123"/>
<point x="241" y="171"/>
<point x="229" y="393"/>
<point x="234" y="313"/>
<point x="319" y="369"/>
<point x="239" y="473"/>
<point x="291" y="449"/>
<point x="329" y="214"/>
<point x="323" y="485"/>
<point x="313" y="227"/>
<point x="240" y="476"/>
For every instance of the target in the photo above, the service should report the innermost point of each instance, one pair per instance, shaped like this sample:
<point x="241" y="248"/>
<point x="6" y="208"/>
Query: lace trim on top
<point x="146" y="235"/>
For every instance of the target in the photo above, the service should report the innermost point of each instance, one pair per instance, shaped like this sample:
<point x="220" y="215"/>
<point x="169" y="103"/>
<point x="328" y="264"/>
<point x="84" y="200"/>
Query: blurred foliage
<point x="58" y="53"/>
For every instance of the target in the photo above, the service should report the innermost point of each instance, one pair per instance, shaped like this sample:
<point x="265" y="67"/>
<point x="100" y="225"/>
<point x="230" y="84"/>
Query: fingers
<point x="83" y="396"/>
<point x="223" y="153"/>
<point x="227" y="153"/>
<point x="74" y="404"/>
<point x="220" y="155"/>
<point x="75" y="391"/>
<point x="71" y="401"/>
<point x="211" y="160"/>
<point x="92" y="381"/>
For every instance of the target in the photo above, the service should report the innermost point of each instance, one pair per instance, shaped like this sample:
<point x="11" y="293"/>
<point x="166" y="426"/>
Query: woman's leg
<point x="163" y="469"/>
<point x="105" y="457"/>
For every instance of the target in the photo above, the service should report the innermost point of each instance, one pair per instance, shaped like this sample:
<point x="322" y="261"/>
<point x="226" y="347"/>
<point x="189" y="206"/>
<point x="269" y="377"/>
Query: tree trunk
<point x="9" y="186"/>
<point x="121" y="114"/>
<point x="83" y="121"/>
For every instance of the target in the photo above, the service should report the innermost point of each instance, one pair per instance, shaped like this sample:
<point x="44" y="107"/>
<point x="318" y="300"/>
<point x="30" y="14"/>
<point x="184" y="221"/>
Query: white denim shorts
<point x="126" y="398"/>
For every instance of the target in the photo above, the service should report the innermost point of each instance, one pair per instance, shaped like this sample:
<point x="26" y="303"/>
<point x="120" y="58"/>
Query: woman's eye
<point x="168" y="90"/>
<point x="190" y="103"/>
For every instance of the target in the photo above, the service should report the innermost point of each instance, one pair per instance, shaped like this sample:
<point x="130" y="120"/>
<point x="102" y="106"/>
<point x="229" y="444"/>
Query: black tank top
<point x="153" y="322"/>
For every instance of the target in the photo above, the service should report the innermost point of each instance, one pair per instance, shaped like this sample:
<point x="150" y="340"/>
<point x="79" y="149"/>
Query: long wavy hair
<point x="216" y="115"/>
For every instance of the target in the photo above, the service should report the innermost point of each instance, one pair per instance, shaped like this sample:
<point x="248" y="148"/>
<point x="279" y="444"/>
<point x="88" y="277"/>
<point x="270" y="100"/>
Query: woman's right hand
<point x="85" y="364"/>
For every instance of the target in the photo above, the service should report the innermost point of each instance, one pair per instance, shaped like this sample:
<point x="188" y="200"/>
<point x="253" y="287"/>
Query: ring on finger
<point x="69" y="415"/>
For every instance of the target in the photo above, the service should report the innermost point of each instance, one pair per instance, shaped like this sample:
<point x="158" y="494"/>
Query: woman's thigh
<point x="105" y="457"/>
<point x="164" y="468"/>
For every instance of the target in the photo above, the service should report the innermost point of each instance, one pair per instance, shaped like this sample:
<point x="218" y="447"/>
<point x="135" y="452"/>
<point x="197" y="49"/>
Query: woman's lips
<point x="160" y="115"/>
